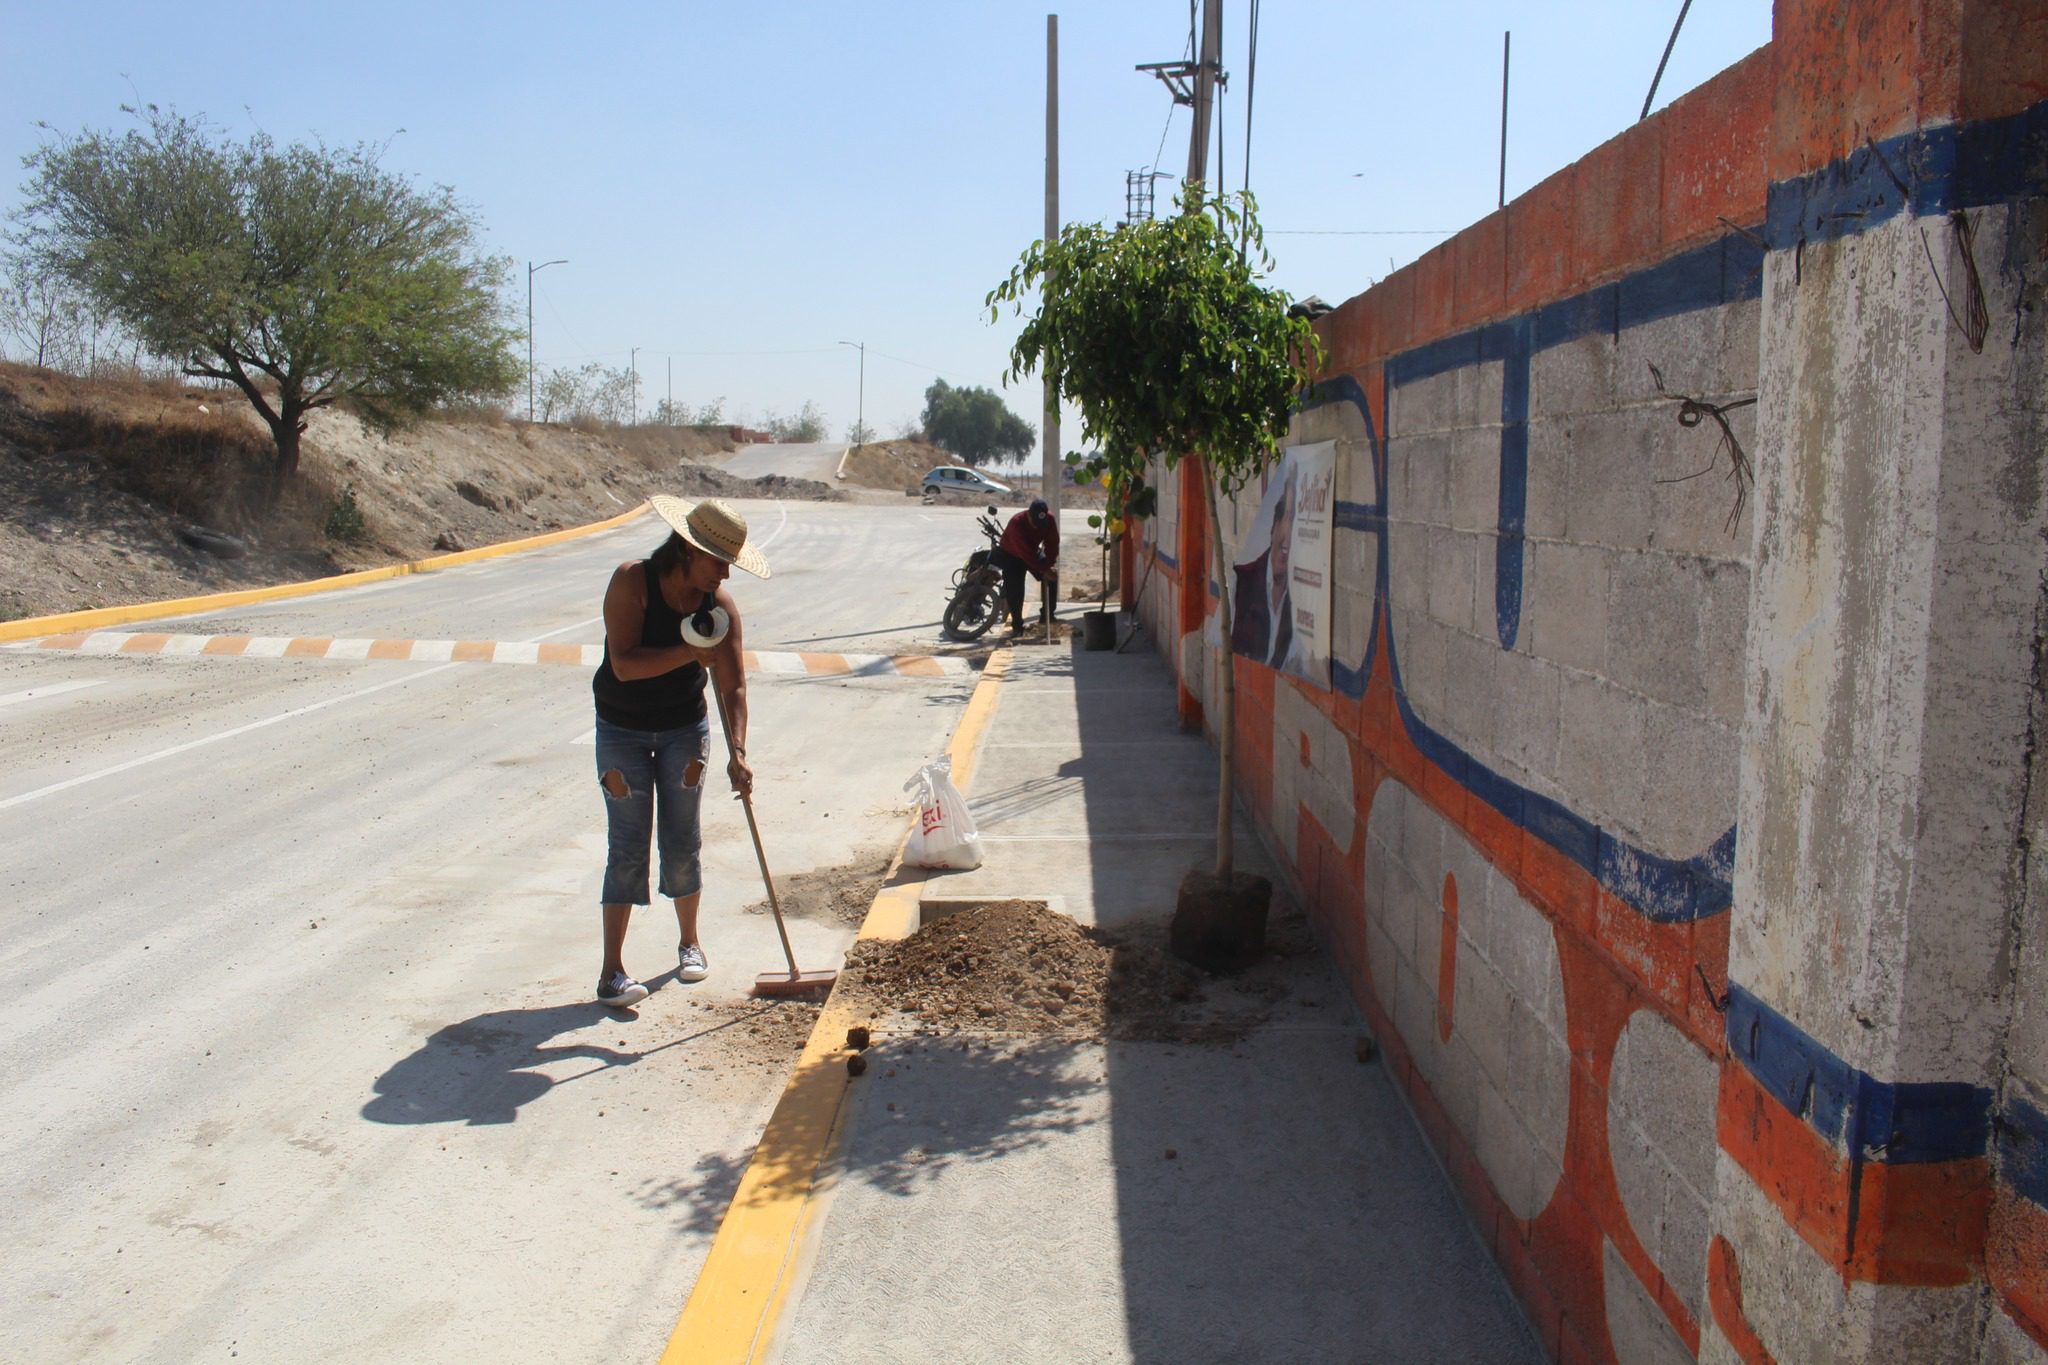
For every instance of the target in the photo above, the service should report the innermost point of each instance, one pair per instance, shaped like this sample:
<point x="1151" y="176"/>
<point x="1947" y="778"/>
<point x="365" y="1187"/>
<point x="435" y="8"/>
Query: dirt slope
<point x="98" y="479"/>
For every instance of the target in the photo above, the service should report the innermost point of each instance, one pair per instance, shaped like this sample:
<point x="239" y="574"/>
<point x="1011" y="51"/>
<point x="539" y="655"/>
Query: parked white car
<point x="960" y="479"/>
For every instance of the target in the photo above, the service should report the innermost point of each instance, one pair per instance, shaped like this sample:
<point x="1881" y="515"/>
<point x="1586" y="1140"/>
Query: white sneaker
<point x="691" y="964"/>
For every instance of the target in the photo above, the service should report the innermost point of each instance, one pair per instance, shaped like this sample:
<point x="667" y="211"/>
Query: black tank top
<point x="667" y="701"/>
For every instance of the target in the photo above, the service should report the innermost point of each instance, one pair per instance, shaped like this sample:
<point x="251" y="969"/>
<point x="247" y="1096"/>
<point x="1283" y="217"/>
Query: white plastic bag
<point x="944" y="835"/>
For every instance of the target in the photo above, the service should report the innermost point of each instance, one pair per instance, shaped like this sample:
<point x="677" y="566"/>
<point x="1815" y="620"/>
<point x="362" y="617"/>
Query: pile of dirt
<point x="837" y="895"/>
<point x="1018" y="967"/>
<point x="709" y="481"/>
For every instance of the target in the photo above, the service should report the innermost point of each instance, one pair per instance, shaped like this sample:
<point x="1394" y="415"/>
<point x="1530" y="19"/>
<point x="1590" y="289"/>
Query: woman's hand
<point x="740" y="775"/>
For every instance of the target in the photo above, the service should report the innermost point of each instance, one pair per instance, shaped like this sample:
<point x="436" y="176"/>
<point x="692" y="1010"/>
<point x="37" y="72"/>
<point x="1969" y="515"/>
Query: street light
<point x="531" y="271"/>
<point x="860" y="420"/>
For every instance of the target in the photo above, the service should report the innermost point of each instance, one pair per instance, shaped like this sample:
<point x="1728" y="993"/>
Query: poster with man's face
<point x="1280" y="602"/>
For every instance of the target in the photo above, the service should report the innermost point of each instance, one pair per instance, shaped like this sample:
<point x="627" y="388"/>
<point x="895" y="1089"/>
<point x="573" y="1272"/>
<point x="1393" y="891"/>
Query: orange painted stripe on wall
<point x="64" y="641"/>
<point x="390" y="649"/>
<point x="226" y="645"/>
<point x="823" y="663"/>
<point x="308" y="647"/>
<point x="473" y="651"/>
<point x="917" y="666"/>
<point x="144" y="644"/>
<point x="2017" y="1261"/>
<point x="561" y="654"/>
<point x="1914" y="1223"/>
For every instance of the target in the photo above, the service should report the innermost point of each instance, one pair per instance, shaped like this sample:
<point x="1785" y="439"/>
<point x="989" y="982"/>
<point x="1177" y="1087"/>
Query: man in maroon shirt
<point x="1030" y="544"/>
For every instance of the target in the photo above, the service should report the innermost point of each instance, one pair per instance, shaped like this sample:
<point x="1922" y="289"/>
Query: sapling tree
<point x="1162" y="335"/>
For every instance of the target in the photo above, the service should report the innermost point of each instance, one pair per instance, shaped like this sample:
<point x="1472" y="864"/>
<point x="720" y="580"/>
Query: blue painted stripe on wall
<point x="1367" y="517"/>
<point x="1359" y="516"/>
<point x="2023" y="1149"/>
<point x="1663" y="890"/>
<point x="1666" y="890"/>
<point x="1869" y="1119"/>
<point x="1864" y="189"/>
<point x="1930" y="171"/>
<point x="1514" y="483"/>
<point x="2001" y="159"/>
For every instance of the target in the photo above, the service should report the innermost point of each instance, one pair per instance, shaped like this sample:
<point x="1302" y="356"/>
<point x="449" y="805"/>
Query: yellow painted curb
<point x="733" y="1310"/>
<point x="68" y="622"/>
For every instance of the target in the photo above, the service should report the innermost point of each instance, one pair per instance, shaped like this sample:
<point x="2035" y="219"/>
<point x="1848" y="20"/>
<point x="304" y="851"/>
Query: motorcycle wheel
<point x="973" y="610"/>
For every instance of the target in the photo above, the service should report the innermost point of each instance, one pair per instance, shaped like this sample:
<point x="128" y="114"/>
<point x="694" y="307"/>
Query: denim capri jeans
<point x="658" y="801"/>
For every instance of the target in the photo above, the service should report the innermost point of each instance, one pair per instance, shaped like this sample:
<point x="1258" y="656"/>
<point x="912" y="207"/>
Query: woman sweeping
<point x="653" y="727"/>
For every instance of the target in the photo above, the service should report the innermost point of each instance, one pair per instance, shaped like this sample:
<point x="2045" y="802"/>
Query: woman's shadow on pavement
<point x="481" y="1070"/>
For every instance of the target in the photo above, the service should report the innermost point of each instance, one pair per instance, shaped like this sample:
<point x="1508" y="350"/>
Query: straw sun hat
<point x="713" y="527"/>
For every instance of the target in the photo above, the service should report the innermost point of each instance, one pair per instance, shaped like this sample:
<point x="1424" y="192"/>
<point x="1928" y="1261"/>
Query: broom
<point x="792" y="982"/>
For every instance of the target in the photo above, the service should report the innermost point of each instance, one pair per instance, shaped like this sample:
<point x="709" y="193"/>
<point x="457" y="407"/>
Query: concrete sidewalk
<point x="1003" y="1199"/>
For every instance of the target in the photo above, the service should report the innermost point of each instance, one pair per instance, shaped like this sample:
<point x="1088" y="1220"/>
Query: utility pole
<point x="671" y="404"/>
<point x="531" y="271"/>
<point x="1049" y="460"/>
<point x="1207" y="70"/>
<point x="633" y="363"/>
<point x="860" y="408"/>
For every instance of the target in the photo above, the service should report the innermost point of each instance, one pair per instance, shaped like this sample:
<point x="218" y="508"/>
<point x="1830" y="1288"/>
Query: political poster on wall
<point x="1280" y="602"/>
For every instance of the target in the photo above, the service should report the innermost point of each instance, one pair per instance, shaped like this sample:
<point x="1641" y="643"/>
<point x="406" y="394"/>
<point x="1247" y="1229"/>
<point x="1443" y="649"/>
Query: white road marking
<point x="176" y="749"/>
<point x="25" y="797"/>
<point x="49" y="690"/>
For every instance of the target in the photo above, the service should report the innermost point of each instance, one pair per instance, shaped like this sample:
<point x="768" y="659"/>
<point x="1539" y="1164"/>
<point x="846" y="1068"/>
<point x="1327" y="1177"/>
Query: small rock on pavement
<point x="857" y="1037"/>
<point x="856" y="1064"/>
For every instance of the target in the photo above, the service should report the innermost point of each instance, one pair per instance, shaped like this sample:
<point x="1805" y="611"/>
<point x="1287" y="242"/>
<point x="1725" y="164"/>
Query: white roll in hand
<point x="706" y="627"/>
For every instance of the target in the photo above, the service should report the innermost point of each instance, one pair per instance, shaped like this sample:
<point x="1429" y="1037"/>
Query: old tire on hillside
<point x="216" y="543"/>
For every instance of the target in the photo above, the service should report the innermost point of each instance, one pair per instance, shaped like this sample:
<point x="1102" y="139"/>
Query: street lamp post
<point x="633" y="363"/>
<point x="860" y="418"/>
<point x="531" y="271"/>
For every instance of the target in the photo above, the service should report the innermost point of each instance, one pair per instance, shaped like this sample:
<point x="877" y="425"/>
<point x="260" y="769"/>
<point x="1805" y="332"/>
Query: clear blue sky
<point x="739" y="188"/>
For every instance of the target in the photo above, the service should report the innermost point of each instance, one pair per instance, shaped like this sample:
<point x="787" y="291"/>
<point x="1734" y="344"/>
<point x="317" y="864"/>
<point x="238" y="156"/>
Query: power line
<point x="1161" y="150"/>
<point x="1251" y="91"/>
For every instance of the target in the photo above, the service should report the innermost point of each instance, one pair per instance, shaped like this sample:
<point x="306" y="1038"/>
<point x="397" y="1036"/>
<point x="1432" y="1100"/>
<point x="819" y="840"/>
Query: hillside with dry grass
<point x="121" y="490"/>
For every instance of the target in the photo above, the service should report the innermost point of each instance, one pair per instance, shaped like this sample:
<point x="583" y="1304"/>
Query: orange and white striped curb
<point x="791" y="663"/>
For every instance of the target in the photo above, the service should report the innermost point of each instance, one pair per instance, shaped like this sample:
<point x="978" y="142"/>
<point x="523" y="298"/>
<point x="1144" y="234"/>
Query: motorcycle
<point x="977" y="602"/>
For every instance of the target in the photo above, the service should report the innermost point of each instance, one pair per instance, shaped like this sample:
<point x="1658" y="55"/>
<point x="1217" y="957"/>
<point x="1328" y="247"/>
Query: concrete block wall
<point x="1768" y="1096"/>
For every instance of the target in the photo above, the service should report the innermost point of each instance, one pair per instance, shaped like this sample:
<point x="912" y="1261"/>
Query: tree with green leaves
<point x="302" y="275"/>
<point x="974" y="424"/>
<point x="1161" y="333"/>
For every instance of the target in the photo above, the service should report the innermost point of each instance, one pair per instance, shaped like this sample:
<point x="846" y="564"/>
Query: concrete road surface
<point x="298" y="958"/>
<point x="818" y="460"/>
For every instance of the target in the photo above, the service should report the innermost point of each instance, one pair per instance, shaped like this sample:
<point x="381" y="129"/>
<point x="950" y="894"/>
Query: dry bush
<point x="478" y="414"/>
<point x="199" y="453"/>
<point x="660" y="448"/>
